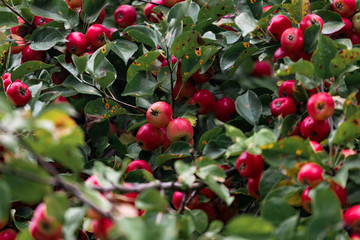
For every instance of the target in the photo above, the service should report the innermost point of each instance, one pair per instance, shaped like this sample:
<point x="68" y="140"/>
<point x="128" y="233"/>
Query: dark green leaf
<point x="80" y="62"/>
<point x="256" y="8"/>
<point x="200" y="219"/>
<point x="175" y="151"/>
<point x="56" y="205"/>
<point x="343" y="59"/>
<point x="207" y="136"/>
<point x="214" y="9"/>
<point x="348" y="130"/>
<point x="311" y="36"/>
<point x="8" y="19"/>
<point x="151" y="200"/>
<point x="230" y="55"/>
<point x="91" y="10"/>
<point x="270" y="178"/>
<point x="44" y="38"/>
<point x="143" y="34"/>
<point x="142" y="84"/>
<point x="5" y="199"/>
<point x="332" y="21"/>
<point x="185" y="42"/>
<point x="321" y="58"/>
<point x="143" y="63"/>
<point x="28" y="67"/>
<point x="249" y="107"/>
<point x="124" y="49"/>
<point x="250" y="227"/>
<point x="305" y="68"/>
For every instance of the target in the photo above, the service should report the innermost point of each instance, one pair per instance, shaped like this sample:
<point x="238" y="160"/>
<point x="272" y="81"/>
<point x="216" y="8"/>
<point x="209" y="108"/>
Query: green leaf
<point x="256" y="8"/>
<point x="124" y="49"/>
<point x="303" y="67"/>
<point x="231" y="54"/>
<point x="286" y="152"/>
<point x="348" y="130"/>
<point x="105" y="73"/>
<point x="343" y="59"/>
<point x="20" y="177"/>
<point x="101" y="109"/>
<point x="56" y="205"/>
<point x="243" y="56"/>
<point x="186" y="172"/>
<point x="5" y="199"/>
<point x="214" y="9"/>
<point x="311" y="36"/>
<point x="151" y="200"/>
<point x="73" y="219"/>
<point x="106" y="176"/>
<point x="185" y="42"/>
<point x="250" y="227"/>
<point x="297" y="9"/>
<point x="80" y="62"/>
<point x="91" y="10"/>
<point x="142" y="34"/>
<point x="177" y="13"/>
<point x="234" y="133"/>
<point x="195" y="59"/>
<point x="219" y="189"/>
<point x="199" y="218"/>
<point x="270" y="178"/>
<point x="175" y="151"/>
<point x="143" y="63"/>
<point x="4" y="52"/>
<point x="249" y="107"/>
<point x="54" y="9"/>
<point x="260" y="138"/>
<point x="332" y="21"/>
<point x="44" y="38"/>
<point x="321" y="58"/>
<point x="246" y="23"/>
<point x="207" y="136"/>
<point x="142" y="84"/>
<point x="8" y="19"/>
<point x="75" y="84"/>
<point x="28" y="67"/>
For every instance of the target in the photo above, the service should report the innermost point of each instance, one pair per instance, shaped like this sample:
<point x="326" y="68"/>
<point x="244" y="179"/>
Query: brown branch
<point x="114" y="99"/>
<point x="18" y="14"/>
<point x="144" y="1"/>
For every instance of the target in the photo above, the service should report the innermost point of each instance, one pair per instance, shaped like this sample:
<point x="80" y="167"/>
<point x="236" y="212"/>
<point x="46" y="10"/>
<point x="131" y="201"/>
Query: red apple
<point x="74" y="3"/>
<point x="309" y="20"/>
<point x="352" y="219"/>
<point x="8" y="234"/>
<point x="40" y="21"/>
<point x="311" y="174"/>
<point x="224" y="109"/>
<point x="102" y="228"/>
<point x="18" y="93"/>
<point x="203" y="77"/>
<point x="178" y="198"/>
<point x="149" y="138"/>
<point x="280" y="53"/>
<point x="170" y="3"/>
<point x="44" y="227"/>
<point x="315" y="130"/>
<point x="150" y="15"/>
<point x="292" y="40"/>
<point x="346" y="8"/>
<point x="207" y="193"/>
<point x="316" y="146"/>
<point x="96" y="36"/>
<point x="320" y="106"/>
<point x="32" y="55"/>
<point x="125" y="15"/>
<point x="179" y="129"/>
<point x="159" y="114"/>
<point x="209" y="208"/>
<point x="278" y="24"/>
<point x="249" y="165"/>
<point x="77" y="43"/>
<point x="17" y="43"/>
<point x="339" y="191"/>
<point x="61" y="99"/>
<point x="266" y="8"/>
<point x="286" y="89"/>
<point x="7" y="83"/>
<point x="204" y="101"/>
<point x="138" y="164"/>
<point x="100" y="19"/>
<point x="167" y="142"/>
<point x="253" y="186"/>
<point x="282" y="106"/>
<point x="262" y="69"/>
<point x="110" y="32"/>
<point x="184" y="91"/>
<point x="355" y="37"/>
<point x="346" y="30"/>
<point x="306" y="200"/>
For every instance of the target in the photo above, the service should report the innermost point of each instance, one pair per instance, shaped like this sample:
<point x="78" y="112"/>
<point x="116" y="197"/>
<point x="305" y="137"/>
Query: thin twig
<point x="182" y="205"/>
<point x="18" y="14"/>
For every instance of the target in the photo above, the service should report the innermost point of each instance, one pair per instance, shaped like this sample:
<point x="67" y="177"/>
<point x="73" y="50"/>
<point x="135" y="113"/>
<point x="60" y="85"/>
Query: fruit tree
<point x="179" y="119"/>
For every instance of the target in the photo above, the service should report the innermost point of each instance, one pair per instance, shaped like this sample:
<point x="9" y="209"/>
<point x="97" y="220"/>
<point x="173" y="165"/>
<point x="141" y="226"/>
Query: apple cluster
<point x="17" y="92"/>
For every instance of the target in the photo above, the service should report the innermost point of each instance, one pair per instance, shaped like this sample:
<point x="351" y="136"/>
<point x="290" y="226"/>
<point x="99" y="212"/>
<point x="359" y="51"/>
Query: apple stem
<point x="18" y="14"/>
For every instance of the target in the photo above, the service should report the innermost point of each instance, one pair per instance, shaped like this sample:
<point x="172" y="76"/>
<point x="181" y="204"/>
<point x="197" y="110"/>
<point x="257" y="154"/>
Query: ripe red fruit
<point x="138" y="164"/>
<point x="266" y="8"/>
<point x="96" y="36"/>
<point x="184" y="91"/>
<point x="179" y="129"/>
<point x="340" y="192"/>
<point x="278" y="24"/>
<point x="178" y="197"/>
<point x="110" y="32"/>
<point x="207" y="193"/>
<point x="7" y="82"/>
<point x="280" y="53"/>
<point x="149" y="138"/>
<point x="159" y="114"/>
<point x="74" y="3"/>
<point x="253" y="186"/>
<point x="44" y="227"/>
<point x="150" y="15"/>
<point x="31" y="55"/>
<point x="170" y="3"/>
<point x="309" y="20"/>
<point x="100" y="19"/>
<point x="355" y="37"/>
<point x="286" y="89"/>
<point x="352" y="219"/>
<point x="209" y="208"/>
<point x="316" y="146"/>
<point x="315" y="130"/>
<point x="262" y="69"/>
<point x="292" y="40"/>
<point x="224" y="109"/>
<point x="17" y="43"/>
<point x="345" y="8"/>
<point x="77" y="43"/>
<point x="125" y="15"/>
<point x="249" y="165"/>
<point x="102" y="228"/>
<point x="40" y="21"/>
<point x="167" y="142"/>
<point x="203" y="77"/>
<point x="204" y="101"/>
<point x="18" y="94"/>
<point x="306" y="200"/>
<point x="346" y="30"/>
<point x="311" y="174"/>
<point x="320" y="106"/>
<point x="282" y="106"/>
<point x="59" y="77"/>
<point x="8" y="234"/>
<point x="16" y="29"/>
